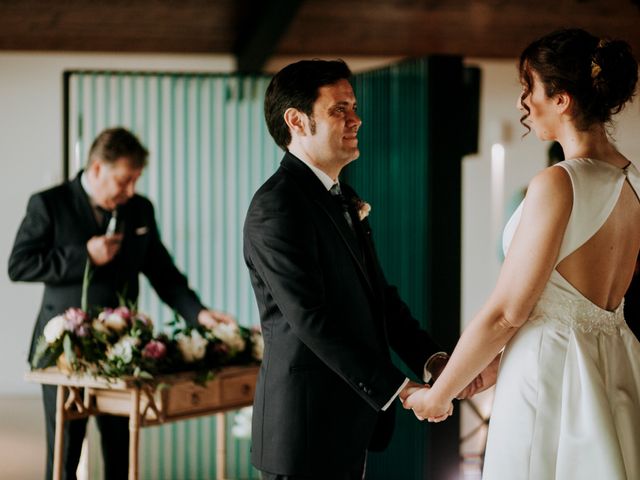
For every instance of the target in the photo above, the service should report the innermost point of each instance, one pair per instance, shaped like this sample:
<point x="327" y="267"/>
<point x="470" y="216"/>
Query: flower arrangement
<point x="121" y="342"/>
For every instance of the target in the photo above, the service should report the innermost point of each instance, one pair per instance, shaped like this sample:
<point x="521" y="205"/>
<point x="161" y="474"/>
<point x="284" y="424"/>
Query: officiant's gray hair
<point x="117" y="142"/>
<point x="297" y="86"/>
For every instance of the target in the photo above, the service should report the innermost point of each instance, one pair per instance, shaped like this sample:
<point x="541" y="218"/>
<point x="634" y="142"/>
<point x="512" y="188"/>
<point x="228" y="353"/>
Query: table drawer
<point x="238" y="388"/>
<point x="189" y="397"/>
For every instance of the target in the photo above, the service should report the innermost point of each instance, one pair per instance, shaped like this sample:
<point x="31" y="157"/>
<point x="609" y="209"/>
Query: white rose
<point x="113" y="321"/>
<point x="123" y="349"/>
<point x="193" y="347"/>
<point x="364" y="210"/>
<point x="54" y="329"/>
<point x="230" y="335"/>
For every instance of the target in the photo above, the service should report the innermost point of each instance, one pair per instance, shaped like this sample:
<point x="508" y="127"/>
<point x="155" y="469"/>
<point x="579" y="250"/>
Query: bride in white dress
<point x="567" y="403"/>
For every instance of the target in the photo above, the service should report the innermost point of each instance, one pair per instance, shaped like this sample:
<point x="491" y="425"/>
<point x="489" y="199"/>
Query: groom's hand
<point x="426" y="406"/>
<point x="490" y="373"/>
<point x="484" y="380"/>
<point x="470" y="390"/>
<point x="409" y="388"/>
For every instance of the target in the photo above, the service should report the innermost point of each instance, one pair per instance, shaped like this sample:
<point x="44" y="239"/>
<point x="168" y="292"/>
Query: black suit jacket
<point x="328" y="318"/>
<point x="51" y="247"/>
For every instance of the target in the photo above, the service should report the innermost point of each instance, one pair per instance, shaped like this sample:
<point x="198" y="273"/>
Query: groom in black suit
<point x="64" y="230"/>
<point x="327" y="386"/>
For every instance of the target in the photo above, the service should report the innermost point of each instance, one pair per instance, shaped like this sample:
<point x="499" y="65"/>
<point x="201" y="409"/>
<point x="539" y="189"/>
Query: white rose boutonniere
<point x="363" y="208"/>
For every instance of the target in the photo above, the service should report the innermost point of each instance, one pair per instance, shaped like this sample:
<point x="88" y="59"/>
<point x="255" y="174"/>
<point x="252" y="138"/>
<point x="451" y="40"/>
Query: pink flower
<point x="154" y="350"/>
<point x="123" y="312"/>
<point x="74" y="320"/>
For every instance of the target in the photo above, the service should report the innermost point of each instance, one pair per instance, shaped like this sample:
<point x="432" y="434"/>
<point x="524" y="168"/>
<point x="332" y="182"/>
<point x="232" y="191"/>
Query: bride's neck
<point x="591" y="143"/>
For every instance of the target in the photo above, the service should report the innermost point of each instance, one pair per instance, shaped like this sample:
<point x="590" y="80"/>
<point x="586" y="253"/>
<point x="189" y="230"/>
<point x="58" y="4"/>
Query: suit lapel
<point x="312" y="185"/>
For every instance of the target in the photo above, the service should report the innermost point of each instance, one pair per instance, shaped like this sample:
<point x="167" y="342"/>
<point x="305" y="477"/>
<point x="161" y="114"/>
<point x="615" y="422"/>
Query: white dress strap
<point x="596" y="190"/>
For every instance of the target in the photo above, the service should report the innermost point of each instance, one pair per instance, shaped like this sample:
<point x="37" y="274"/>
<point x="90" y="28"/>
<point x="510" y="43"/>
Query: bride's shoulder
<point x="553" y="180"/>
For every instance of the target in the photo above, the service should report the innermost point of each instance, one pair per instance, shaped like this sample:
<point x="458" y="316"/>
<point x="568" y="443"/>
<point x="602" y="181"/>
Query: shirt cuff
<point x="388" y="404"/>
<point x="426" y="374"/>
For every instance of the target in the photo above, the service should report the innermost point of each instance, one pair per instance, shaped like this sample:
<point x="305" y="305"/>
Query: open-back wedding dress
<point x="567" y="402"/>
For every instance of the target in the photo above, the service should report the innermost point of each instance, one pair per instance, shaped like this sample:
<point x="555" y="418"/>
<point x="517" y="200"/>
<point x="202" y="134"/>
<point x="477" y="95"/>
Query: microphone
<point x="113" y="223"/>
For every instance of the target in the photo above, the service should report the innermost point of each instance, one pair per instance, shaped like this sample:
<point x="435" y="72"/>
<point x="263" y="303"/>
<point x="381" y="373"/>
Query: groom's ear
<point x="296" y="121"/>
<point x="563" y="102"/>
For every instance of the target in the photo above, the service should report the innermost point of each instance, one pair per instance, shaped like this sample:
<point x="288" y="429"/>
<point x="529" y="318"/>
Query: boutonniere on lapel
<point x="362" y="207"/>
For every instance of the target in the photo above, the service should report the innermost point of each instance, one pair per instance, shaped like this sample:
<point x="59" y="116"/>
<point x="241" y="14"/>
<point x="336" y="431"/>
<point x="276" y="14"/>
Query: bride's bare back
<point x="602" y="268"/>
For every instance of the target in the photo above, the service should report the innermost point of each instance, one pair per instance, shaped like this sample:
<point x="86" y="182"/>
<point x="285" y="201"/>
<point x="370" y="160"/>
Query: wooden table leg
<point x="134" y="434"/>
<point x="221" y="446"/>
<point x="59" y="437"/>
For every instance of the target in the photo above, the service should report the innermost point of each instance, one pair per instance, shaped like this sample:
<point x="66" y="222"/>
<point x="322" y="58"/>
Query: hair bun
<point x="614" y="72"/>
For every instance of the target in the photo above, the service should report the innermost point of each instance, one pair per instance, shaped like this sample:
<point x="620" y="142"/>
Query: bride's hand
<point x="426" y="405"/>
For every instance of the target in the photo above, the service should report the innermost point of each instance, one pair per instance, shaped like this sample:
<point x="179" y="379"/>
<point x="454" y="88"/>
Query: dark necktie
<point x="336" y="192"/>
<point x="103" y="216"/>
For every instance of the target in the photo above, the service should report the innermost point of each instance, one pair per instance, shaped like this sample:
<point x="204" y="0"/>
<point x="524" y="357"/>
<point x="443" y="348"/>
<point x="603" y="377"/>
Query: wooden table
<point x="169" y="398"/>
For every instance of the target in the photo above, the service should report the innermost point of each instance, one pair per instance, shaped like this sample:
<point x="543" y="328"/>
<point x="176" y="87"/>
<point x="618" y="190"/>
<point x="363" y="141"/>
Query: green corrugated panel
<point x="390" y="175"/>
<point x="398" y="171"/>
<point x="209" y="153"/>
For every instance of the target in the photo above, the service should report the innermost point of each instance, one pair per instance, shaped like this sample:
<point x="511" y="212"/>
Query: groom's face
<point x="335" y="124"/>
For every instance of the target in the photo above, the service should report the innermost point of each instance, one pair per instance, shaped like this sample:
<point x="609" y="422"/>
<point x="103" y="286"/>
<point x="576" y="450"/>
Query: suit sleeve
<point x="411" y="342"/>
<point x="36" y="256"/>
<point x="165" y="278"/>
<point x="280" y="245"/>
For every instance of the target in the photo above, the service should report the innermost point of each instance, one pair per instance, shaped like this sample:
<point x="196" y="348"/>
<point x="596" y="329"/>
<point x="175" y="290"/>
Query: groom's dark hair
<point x="296" y="86"/>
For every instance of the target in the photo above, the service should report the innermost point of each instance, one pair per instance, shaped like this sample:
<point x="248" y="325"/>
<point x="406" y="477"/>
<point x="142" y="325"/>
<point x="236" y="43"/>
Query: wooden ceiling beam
<point x="253" y="30"/>
<point x="479" y="28"/>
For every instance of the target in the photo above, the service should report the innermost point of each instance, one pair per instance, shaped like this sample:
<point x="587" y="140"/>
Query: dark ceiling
<point x="254" y="30"/>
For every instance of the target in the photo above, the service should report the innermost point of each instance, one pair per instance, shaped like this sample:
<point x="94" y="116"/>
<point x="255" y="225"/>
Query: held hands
<point x="409" y="388"/>
<point x="437" y="364"/>
<point x="426" y="405"/>
<point x="101" y="249"/>
<point x="209" y="318"/>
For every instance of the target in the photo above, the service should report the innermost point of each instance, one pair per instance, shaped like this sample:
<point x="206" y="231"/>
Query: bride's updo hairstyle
<point x="599" y="75"/>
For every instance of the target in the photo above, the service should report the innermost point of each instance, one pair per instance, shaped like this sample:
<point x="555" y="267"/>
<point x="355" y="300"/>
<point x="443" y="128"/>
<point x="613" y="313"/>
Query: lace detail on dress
<point x="579" y="314"/>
